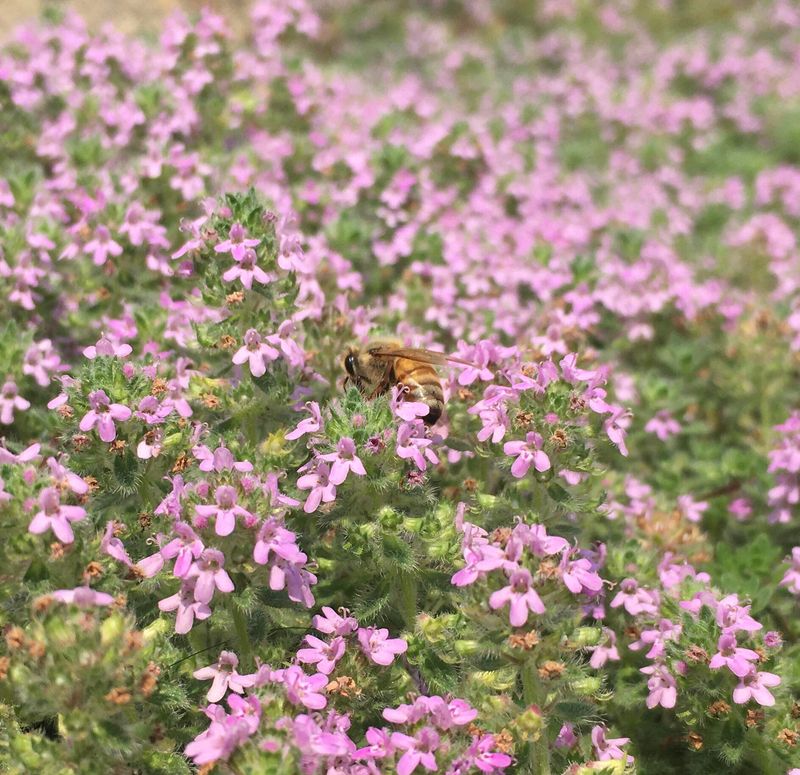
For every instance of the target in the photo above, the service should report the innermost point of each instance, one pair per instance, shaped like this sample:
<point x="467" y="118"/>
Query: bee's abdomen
<point x="425" y="386"/>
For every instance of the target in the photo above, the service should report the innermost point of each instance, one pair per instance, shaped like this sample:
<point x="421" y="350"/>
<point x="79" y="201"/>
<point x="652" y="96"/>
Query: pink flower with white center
<point x="731" y="615"/>
<point x="528" y="453"/>
<point x="10" y="402"/>
<point x="418" y="750"/>
<point x="103" y="414"/>
<point x="256" y="353"/>
<point x="379" y="647"/>
<point x="302" y="689"/>
<point x="101" y="246"/>
<point x="605" y="651"/>
<point x="323" y="655"/>
<point x="209" y="575"/>
<point x="83" y="597"/>
<point x="413" y="445"/>
<point x="662" y="686"/>
<point x="332" y="623"/>
<point x="54" y="515"/>
<point x="151" y="411"/>
<point x="237" y="243"/>
<point x="663" y="425"/>
<point x="294" y="355"/>
<point x="791" y="579"/>
<point x="691" y="509"/>
<point x="246" y="270"/>
<point x="319" y="483"/>
<point x="311" y="424"/>
<point x="65" y="479"/>
<point x="187" y="607"/>
<point x="343" y="461"/>
<point x="519" y="595"/>
<point x="754" y="686"/>
<point x="607" y="749"/>
<point x="105" y="348"/>
<point x="224" y="676"/>
<point x="224" y="512"/>
<point x="636" y="601"/>
<point x="736" y="659"/>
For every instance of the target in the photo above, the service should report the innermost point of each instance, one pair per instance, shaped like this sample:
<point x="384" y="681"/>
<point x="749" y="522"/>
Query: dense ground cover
<point x="215" y="555"/>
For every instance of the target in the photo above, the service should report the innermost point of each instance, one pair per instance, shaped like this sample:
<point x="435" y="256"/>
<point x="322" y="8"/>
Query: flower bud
<point x="586" y="636"/>
<point x="111" y="629"/>
<point x="529" y="723"/>
<point x="467" y="648"/>
<point x="587" y="685"/>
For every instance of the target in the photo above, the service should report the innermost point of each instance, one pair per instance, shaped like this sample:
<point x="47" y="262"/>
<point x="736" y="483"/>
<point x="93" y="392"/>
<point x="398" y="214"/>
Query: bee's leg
<point x="383" y="385"/>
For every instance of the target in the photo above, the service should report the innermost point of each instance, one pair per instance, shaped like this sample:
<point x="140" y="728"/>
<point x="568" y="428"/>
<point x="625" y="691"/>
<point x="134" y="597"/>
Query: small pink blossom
<point x="56" y="516"/>
<point x="528" y="453"/>
<point x="103" y="414"/>
<point x="256" y="353"/>
<point x="224" y="676"/>
<point x="379" y="647"/>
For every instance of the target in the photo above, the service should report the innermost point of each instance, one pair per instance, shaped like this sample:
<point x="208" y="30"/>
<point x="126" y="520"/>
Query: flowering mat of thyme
<point x="216" y="556"/>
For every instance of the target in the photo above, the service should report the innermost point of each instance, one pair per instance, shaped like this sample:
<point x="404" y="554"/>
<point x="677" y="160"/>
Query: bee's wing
<point x="419" y="354"/>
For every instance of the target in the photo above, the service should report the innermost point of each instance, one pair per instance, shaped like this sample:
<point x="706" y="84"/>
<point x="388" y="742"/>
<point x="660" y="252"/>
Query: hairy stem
<point x="533" y="694"/>
<point x="242" y="636"/>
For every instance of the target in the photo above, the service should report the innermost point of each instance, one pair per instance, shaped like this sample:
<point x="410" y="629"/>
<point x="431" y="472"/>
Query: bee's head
<point x="350" y="363"/>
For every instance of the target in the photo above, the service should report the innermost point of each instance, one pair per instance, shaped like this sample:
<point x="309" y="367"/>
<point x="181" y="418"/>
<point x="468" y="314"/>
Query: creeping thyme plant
<point x="217" y="557"/>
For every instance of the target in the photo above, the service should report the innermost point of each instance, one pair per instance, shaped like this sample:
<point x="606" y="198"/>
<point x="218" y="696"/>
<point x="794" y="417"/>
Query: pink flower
<point x="294" y="355"/>
<point x="608" y="748"/>
<point x="65" y="479"/>
<point x="187" y="607"/>
<point x="528" y="453"/>
<point x="579" y="576"/>
<point x="606" y="651"/>
<point x="332" y="623"/>
<point x="380" y="745"/>
<point x="481" y="754"/>
<point x="323" y="655"/>
<point x="55" y="516"/>
<point x="302" y="689"/>
<point x="413" y="445"/>
<point x="246" y="270"/>
<point x="275" y="540"/>
<point x="221" y="459"/>
<point x="311" y="424"/>
<point x="379" y="647"/>
<point x="256" y="353"/>
<point x="209" y="575"/>
<point x="691" y="509"/>
<point x="566" y="738"/>
<point x="753" y="686"/>
<point x="418" y="750"/>
<point x="102" y="246"/>
<point x="736" y="659"/>
<point x="791" y="578"/>
<point x="102" y="413"/>
<point x="237" y="242"/>
<point x="343" y="461"/>
<point x="636" y="601"/>
<point x="10" y="402"/>
<point x="106" y="348"/>
<point x="731" y="615"/>
<point x="224" y="676"/>
<point x="113" y="546"/>
<point x="663" y="425"/>
<point x="320" y="485"/>
<point x="83" y="597"/>
<point x="662" y="687"/>
<point x="615" y="427"/>
<point x="224" y="512"/>
<point x="521" y="596"/>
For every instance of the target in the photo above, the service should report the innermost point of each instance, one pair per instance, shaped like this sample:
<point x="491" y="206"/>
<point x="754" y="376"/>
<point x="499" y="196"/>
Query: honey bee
<point x="380" y="364"/>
